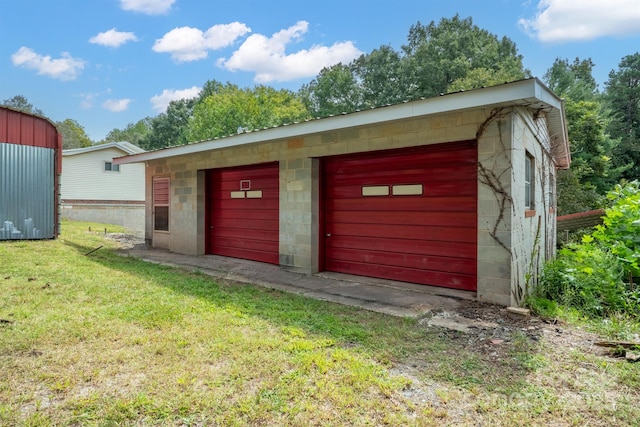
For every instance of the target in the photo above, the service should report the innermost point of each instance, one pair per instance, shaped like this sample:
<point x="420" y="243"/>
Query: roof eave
<point x="529" y="92"/>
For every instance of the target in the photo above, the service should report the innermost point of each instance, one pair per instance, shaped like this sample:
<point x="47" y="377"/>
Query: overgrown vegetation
<point x="599" y="276"/>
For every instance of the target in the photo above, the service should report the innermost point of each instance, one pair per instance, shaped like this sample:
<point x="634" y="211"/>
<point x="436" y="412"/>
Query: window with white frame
<point x="529" y="190"/>
<point x="110" y="167"/>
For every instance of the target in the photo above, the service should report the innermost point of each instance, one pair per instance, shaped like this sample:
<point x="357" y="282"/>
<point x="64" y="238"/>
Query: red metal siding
<point x="244" y="227"/>
<point x="428" y="238"/>
<point x="20" y="128"/>
<point x="17" y="127"/>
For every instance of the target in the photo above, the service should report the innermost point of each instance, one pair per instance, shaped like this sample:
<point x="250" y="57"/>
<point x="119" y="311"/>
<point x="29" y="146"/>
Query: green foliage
<point x="572" y="80"/>
<point x="228" y="109"/>
<point x="592" y="275"/>
<point x="439" y="54"/>
<point x="73" y="134"/>
<point x="169" y="128"/>
<point x="21" y="103"/>
<point x="592" y="170"/>
<point x="453" y="54"/>
<point x="620" y="231"/>
<point x="334" y="91"/>
<point x="134" y="133"/>
<point x="622" y="96"/>
<point x="587" y="277"/>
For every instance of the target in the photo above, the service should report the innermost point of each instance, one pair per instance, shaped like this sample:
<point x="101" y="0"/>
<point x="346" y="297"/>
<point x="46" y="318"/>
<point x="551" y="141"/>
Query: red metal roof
<point x="579" y="220"/>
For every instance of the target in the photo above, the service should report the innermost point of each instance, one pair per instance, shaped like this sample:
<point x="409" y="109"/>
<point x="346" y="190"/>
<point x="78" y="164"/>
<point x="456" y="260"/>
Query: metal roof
<point x="123" y="146"/>
<point x="531" y="93"/>
<point x="579" y="220"/>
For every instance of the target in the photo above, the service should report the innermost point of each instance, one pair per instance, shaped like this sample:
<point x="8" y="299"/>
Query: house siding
<point x="89" y="193"/>
<point x="81" y="173"/>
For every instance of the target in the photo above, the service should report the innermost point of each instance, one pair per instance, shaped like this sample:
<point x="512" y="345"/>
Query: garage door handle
<point x="328" y="234"/>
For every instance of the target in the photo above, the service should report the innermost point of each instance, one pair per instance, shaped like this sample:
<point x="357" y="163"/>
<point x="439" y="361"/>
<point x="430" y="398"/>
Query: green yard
<point x="105" y="339"/>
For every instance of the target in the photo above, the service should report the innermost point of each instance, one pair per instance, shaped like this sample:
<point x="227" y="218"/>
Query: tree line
<point x="451" y="55"/>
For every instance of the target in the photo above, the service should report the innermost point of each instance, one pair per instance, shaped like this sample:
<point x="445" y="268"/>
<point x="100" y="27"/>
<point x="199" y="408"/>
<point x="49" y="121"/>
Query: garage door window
<point x="161" y="204"/>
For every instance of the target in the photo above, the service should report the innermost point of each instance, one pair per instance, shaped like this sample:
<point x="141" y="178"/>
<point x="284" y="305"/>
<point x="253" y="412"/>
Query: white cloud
<point x="567" y="20"/>
<point x="64" y="68"/>
<point x="87" y="99"/>
<point x="268" y="59"/>
<point x="161" y="102"/>
<point x="116" y="105"/>
<point x="113" y="38"/>
<point x="149" y="7"/>
<point x="190" y="44"/>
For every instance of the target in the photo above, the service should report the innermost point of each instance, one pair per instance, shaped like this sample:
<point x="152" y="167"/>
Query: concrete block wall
<point x="300" y="181"/>
<point x="130" y="216"/>
<point x="494" y="211"/>
<point x="531" y="240"/>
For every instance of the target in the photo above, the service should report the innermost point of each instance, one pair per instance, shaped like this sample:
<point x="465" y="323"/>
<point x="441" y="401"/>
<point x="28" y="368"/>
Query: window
<point x="161" y="203"/>
<point x="529" y="190"/>
<point x="109" y="166"/>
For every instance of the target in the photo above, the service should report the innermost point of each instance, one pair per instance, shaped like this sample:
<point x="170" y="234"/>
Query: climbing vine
<point x="492" y="175"/>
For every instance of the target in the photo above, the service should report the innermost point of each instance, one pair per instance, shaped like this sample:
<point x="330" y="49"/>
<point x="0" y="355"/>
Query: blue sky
<point x="107" y="63"/>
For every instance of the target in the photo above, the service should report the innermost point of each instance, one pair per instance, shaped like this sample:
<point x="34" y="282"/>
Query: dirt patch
<point x="488" y="329"/>
<point x="125" y="241"/>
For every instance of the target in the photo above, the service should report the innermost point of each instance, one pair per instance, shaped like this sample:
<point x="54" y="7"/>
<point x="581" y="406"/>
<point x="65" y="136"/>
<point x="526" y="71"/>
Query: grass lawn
<point x="105" y="339"/>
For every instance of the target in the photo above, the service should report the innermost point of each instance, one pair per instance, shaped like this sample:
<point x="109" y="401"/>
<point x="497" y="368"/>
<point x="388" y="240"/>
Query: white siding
<point x="84" y="177"/>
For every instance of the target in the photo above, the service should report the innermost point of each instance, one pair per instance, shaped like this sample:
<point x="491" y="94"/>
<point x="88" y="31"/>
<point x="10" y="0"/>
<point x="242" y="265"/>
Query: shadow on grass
<point x="459" y="359"/>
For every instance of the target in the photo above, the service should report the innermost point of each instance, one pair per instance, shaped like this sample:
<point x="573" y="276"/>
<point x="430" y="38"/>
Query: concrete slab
<point x="384" y="296"/>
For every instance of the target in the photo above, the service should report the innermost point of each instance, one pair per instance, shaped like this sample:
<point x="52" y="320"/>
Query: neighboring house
<point x="456" y="191"/>
<point x="30" y="153"/>
<point x="97" y="190"/>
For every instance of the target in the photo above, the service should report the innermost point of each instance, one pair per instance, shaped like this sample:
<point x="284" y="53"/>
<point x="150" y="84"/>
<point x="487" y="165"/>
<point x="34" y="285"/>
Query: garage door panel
<point x="405" y="260"/>
<point x="453" y="204"/>
<point x="448" y="280"/>
<point x="233" y="242"/>
<point x="260" y="214"/>
<point x="247" y="234"/>
<point x="404" y="214"/>
<point x="245" y="253"/>
<point x="460" y="187"/>
<point x="434" y="174"/>
<point x="243" y="212"/>
<point x="406" y="232"/>
<point x="463" y="219"/>
<point x="248" y="224"/>
<point x="419" y="247"/>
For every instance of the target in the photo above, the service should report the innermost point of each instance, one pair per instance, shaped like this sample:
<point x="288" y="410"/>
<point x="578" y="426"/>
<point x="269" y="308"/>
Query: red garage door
<point x="242" y="212"/>
<point x="407" y="215"/>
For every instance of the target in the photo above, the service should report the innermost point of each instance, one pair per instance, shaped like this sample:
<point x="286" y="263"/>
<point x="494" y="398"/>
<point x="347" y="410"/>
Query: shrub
<point x="620" y="231"/>
<point x="597" y="275"/>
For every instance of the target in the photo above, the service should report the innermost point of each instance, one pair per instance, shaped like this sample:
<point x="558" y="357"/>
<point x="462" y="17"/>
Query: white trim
<point x="529" y="92"/>
<point x="124" y="146"/>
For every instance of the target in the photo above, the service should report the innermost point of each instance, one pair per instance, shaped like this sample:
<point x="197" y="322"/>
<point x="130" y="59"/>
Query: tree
<point x="229" y="109"/>
<point x="592" y="171"/>
<point x="169" y="128"/>
<point x="440" y="54"/>
<point x="572" y="80"/>
<point x="453" y="54"/>
<point x="622" y="95"/>
<point x="21" y="103"/>
<point x="73" y="134"/>
<point x="382" y="77"/>
<point x="134" y="133"/>
<point x="334" y="91"/>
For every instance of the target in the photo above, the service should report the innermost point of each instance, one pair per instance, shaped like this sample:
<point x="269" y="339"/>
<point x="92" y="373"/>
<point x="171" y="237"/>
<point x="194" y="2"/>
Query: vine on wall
<point x="489" y="177"/>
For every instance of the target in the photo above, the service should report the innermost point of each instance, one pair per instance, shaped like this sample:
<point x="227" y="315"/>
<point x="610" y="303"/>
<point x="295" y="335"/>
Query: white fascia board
<point x="523" y="92"/>
<point x="126" y="147"/>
